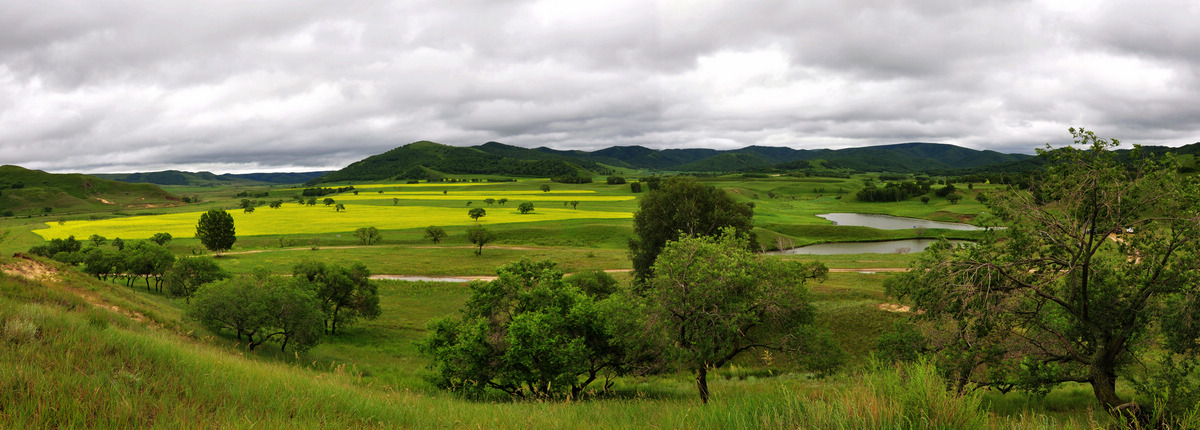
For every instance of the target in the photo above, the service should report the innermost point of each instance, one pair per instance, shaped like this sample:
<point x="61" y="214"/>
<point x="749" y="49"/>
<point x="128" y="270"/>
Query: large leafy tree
<point x="186" y="276"/>
<point x="215" y="230"/>
<point x="714" y="300"/>
<point x="684" y="206"/>
<point x="1096" y="255"/>
<point x="346" y="294"/>
<point x="527" y="333"/>
<point x="258" y="309"/>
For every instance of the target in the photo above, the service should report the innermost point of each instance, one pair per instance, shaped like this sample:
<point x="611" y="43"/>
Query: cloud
<point x="114" y="85"/>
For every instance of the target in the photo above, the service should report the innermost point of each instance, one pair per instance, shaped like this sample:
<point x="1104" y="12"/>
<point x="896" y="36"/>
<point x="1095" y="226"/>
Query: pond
<point x="888" y="222"/>
<point x="885" y="247"/>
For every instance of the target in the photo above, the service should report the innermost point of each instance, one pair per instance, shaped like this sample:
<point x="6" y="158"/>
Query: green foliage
<point x="527" y="333"/>
<point x="478" y="236"/>
<point x="261" y="308"/>
<point x="57" y="246"/>
<point x="148" y="260"/>
<point x="477" y="213"/>
<point x="595" y="283"/>
<point x="435" y="233"/>
<point x="346" y="294"/>
<point x="683" y="206"/>
<point x="215" y="231"/>
<point x="97" y="240"/>
<point x="162" y="239"/>
<point x="525" y="207"/>
<point x="368" y="235"/>
<point x="903" y="343"/>
<point x="187" y="275"/>
<point x="614" y="180"/>
<point x="635" y="187"/>
<point x="545" y="188"/>
<point x="715" y="300"/>
<point x="1053" y="298"/>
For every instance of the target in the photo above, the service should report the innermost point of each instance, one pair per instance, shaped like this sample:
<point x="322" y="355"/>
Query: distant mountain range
<point x="175" y="177"/>
<point x="424" y="159"/>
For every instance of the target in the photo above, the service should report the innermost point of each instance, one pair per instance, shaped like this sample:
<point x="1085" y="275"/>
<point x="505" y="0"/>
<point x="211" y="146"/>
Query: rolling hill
<point x="422" y="160"/>
<point x="25" y="191"/>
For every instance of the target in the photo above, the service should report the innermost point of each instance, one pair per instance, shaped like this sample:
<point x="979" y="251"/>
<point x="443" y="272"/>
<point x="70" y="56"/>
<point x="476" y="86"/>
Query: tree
<point x="615" y="180"/>
<point x="503" y="200"/>
<point x="339" y="207"/>
<point x="97" y="240"/>
<point x="545" y="188"/>
<point x="162" y="239"/>
<point x="261" y="308"/>
<point x="574" y="204"/>
<point x="187" y="275"/>
<point x="682" y="205"/>
<point x="368" y="235"/>
<point x="478" y="236"/>
<point x="525" y="207"/>
<point x="635" y="187"/>
<point x="118" y="243"/>
<point x="925" y="199"/>
<point x="346" y="294"/>
<point x="489" y="201"/>
<point x="435" y="233"/>
<point x="395" y="201"/>
<point x="328" y="201"/>
<point x="215" y="231"/>
<point x="527" y="333"/>
<point x="312" y="201"/>
<point x="248" y="209"/>
<point x="714" y="300"/>
<point x="1053" y="298"/>
<point x="277" y="204"/>
<point x="476" y="213"/>
<point x="148" y="260"/>
<point x="953" y="198"/>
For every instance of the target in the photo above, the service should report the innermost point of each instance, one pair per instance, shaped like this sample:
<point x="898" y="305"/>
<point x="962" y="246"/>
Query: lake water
<point x="885" y="247"/>
<point x="888" y="222"/>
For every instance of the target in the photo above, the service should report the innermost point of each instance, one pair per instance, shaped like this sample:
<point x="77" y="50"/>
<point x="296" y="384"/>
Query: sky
<point x="296" y="85"/>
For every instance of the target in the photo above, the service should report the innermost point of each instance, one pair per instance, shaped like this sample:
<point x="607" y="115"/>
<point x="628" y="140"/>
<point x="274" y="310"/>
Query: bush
<point x="615" y="180"/>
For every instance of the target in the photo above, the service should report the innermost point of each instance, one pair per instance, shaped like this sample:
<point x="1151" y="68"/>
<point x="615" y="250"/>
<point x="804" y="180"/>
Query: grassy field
<point x="140" y="363"/>
<point x="80" y="353"/>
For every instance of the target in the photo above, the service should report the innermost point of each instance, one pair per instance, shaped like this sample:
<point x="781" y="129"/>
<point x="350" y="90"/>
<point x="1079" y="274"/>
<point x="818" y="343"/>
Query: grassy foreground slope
<point x="80" y="353"/>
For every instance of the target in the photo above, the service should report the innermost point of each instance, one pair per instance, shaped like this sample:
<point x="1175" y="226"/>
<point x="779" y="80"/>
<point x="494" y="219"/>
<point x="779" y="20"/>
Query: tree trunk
<point x="702" y="383"/>
<point x="1104" y="386"/>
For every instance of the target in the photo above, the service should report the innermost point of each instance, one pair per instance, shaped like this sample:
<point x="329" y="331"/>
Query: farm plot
<point x="295" y="219"/>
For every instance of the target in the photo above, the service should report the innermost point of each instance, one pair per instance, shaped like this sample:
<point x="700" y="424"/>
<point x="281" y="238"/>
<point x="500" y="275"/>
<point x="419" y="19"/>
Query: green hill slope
<point x="24" y="191"/>
<point x="397" y="163"/>
<point x="176" y="177"/>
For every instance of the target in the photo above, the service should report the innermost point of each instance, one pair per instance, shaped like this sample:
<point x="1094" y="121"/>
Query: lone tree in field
<point x="545" y="188"/>
<point x="1057" y="297"/>
<point x="525" y="207"/>
<point x="328" y="201"/>
<point x="215" y="231"/>
<point x="715" y="300"/>
<point x="574" y="204"/>
<point x="479" y="236"/>
<point x="476" y="213"/>
<point x="682" y="204"/>
<point x="435" y="233"/>
<point x="368" y="235"/>
<point x="502" y="201"/>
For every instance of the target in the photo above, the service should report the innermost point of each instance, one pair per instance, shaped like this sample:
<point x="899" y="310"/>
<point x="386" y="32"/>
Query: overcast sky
<point x="289" y="85"/>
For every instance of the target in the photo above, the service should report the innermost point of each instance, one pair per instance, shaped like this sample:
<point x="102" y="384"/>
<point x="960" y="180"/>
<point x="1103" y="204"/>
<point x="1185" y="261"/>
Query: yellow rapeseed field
<point x="296" y="219"/>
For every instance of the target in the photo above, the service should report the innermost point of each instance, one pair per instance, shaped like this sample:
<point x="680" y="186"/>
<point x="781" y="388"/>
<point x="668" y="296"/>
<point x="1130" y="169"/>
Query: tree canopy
<point x="682" y="205"/>
<point x="714" y="300"/>
<point x="1098" y="259"/>
<point x="215" y="230"/>
<point x="346" y="294"/>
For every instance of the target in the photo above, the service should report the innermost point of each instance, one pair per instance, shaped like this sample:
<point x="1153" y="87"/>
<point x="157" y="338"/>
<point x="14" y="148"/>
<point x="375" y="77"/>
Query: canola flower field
<point x="296" y="219"/>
